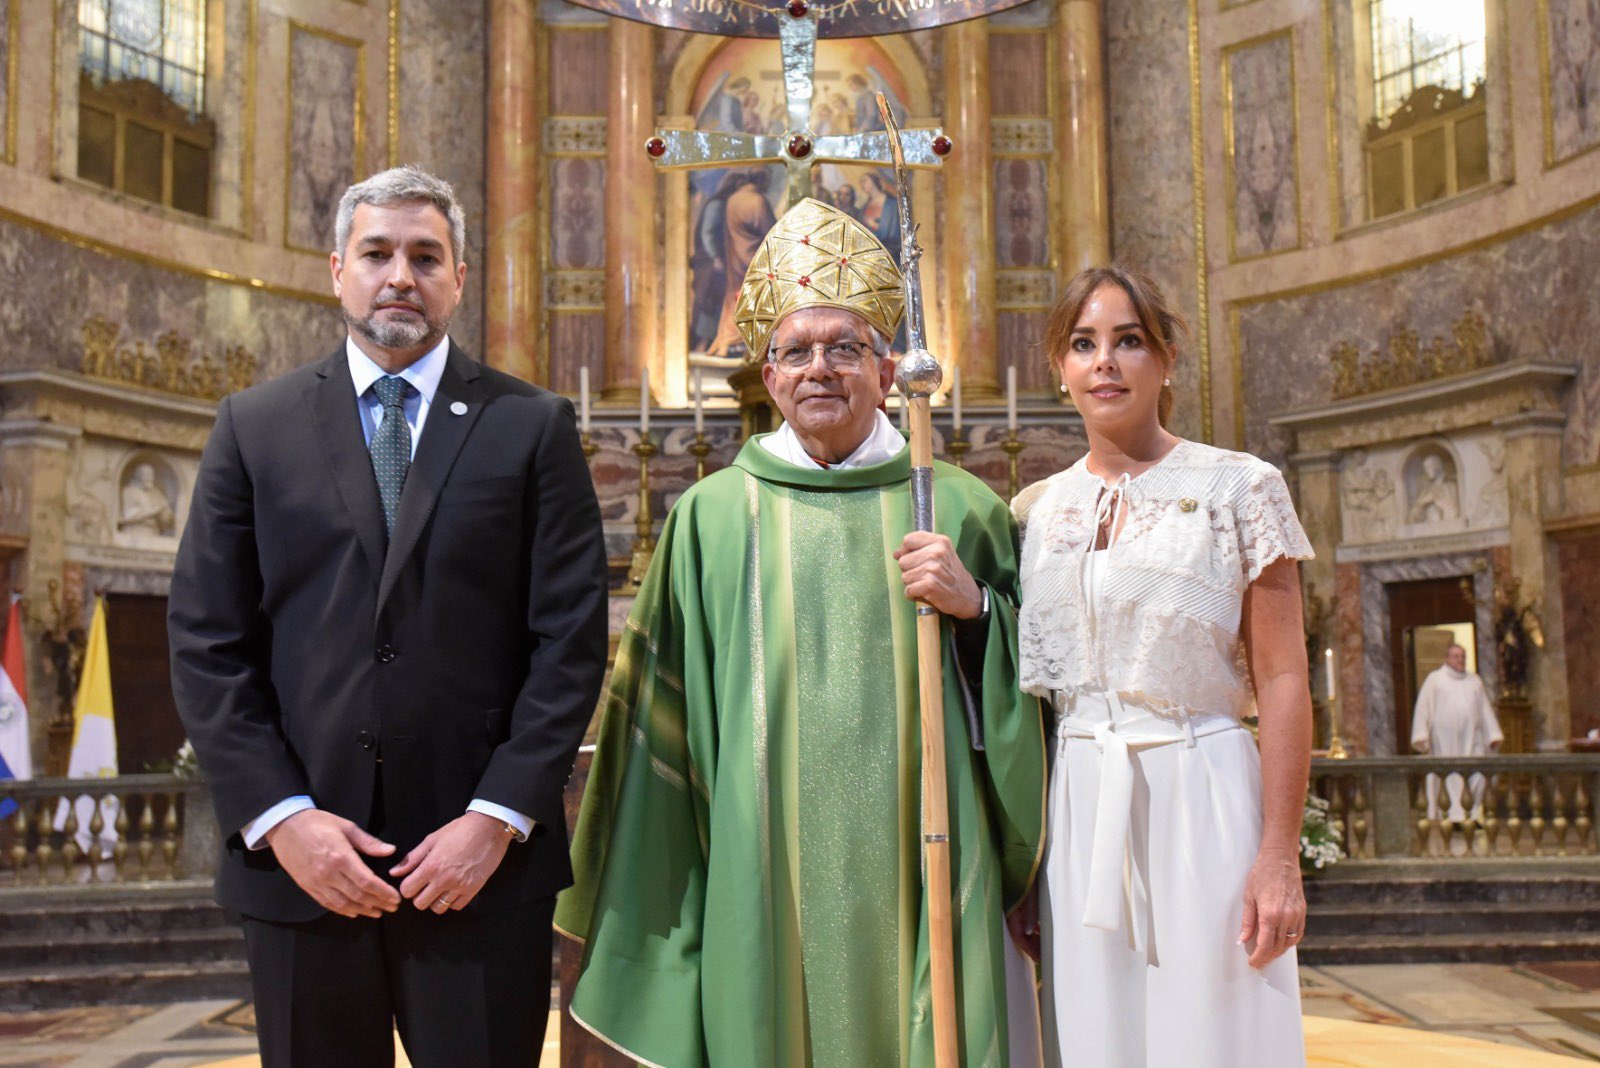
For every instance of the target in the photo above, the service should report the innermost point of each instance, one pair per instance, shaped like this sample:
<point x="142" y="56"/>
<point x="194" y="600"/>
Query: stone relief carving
<point x="1423" y="489"/>
<point x="122" y="498"/>
<point x="1367" y="496"/>
<point x="1433" y="492"/>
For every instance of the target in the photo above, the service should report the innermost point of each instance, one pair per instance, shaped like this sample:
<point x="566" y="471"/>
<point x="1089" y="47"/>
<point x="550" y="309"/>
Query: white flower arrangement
<point x="1321" y="843"/>
<point x="185" y="765"/>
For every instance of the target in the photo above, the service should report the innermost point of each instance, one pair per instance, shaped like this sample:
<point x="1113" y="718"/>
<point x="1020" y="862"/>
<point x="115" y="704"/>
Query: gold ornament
<point x="817" y="257"/>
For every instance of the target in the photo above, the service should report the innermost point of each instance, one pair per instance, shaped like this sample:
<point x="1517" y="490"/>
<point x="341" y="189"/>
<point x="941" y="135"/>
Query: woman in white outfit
<point x="1160" y="602"/>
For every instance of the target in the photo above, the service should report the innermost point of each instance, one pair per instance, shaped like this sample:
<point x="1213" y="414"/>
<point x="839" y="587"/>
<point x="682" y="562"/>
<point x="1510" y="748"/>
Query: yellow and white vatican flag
<point x="94" y="742"/>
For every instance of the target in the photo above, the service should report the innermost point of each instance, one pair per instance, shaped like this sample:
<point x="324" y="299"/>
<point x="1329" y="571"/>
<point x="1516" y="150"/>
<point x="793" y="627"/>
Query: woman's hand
<point x="1023" y="923"/>
<point x="1274" y="906"/>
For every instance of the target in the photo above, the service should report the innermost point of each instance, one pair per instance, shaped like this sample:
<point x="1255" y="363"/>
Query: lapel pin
<point x="458" y="408"/>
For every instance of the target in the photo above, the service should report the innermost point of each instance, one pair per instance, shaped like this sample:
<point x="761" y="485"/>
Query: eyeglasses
<point x="841" y="357"/>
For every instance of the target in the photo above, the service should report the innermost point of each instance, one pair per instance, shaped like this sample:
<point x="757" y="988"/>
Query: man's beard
<point x="398" y="334"/>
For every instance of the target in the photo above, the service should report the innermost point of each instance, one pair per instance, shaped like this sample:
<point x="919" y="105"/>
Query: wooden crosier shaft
<point x="935" y="793"/>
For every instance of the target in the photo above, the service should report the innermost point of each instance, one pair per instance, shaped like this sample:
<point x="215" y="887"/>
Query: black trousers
<point x="463" y="990"/>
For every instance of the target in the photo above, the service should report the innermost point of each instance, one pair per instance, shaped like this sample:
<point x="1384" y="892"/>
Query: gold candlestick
<point x="587" y="443"/>
<point x="1013" y="449"/>
<point x="958" y="447"/>
<point x="1336" y="749"/>
<point x="644" y="542"/>
<point x="700" y="450"/>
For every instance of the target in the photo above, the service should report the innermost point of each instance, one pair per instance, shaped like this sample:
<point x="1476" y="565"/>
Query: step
<point x="1463" y="889"/>
<point x="88" y="984"/>
<point x="124" y="950"/>
<point x="73" y="911"/>
<point x="1453" y="918"/>
<point x="1449" y="948"/>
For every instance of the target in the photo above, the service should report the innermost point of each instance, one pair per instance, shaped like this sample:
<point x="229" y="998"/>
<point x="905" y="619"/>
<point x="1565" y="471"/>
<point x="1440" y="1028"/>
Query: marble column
<point x="1082" y="219"/>
<point x="632" y="282"/>
<point x="1534" y="490"/>
<point x="969" y="232"/>
<point x="515" y="179"/>
<point x="45" y="451"/>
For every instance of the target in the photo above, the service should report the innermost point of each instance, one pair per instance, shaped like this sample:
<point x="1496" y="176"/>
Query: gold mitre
<point x="817" y="257"/>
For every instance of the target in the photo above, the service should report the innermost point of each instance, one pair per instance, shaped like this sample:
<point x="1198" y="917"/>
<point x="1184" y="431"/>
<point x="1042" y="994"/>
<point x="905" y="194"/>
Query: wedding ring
<point x="1291" y="934"/>
<point x="447" y="900"/>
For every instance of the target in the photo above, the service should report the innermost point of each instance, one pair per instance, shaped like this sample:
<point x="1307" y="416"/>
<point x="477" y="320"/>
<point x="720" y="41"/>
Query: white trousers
<point x="1153" y="827"/>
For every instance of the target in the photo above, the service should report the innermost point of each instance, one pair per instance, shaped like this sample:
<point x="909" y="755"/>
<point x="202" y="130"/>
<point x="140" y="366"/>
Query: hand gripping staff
<point x="919" y="375"/>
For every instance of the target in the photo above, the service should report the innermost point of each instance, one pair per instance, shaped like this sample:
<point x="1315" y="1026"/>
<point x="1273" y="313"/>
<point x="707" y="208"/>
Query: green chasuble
<point x="748" y="863"/>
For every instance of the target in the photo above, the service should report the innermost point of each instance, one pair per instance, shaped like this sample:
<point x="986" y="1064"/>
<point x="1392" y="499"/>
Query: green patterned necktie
<point x="391" y="445"/>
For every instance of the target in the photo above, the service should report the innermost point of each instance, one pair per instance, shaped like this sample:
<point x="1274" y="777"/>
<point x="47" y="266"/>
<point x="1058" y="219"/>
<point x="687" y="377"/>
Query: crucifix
<point x="797" y="147"/>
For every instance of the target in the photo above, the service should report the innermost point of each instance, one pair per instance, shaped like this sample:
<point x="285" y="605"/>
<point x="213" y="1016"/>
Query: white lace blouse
<point x="1201" y="526"/>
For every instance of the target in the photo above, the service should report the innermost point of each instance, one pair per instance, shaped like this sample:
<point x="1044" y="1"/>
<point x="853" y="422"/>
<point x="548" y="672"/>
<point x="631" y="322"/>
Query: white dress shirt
<point x="424" y="377"/>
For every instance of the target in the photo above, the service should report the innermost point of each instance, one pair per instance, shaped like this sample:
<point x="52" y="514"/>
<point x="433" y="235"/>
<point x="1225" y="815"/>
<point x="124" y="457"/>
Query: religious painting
<point x="1571" y="46"/>
<point x="1259" y="122"/>
<point x="324" y="146"/>
<point x="732" y="208"/>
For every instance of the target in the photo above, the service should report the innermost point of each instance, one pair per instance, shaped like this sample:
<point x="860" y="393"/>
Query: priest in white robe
<point x="1454" y="718"/>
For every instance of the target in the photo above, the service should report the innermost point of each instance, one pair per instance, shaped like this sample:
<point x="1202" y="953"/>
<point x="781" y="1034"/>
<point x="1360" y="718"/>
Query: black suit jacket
<point x="467" y="653"/>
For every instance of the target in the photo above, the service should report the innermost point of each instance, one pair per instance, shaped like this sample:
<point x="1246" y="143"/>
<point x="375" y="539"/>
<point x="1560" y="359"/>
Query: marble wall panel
<point x="1536" y="290"/>
<point x="1580" y="607"/>
<point x="580" y="78"/>
<point x="1151" y="165"/>
<point x="1572" y="57"/>
<point x="1263" y="211"/>
<point x="1021" y="344"/>
<point x="1018" y="74"/>
<point x="1021" y="212"/>
<point x="324" y="150"/>
<point x="577" y="215"/>
<point x="6" y="132"/>
<point x="52" y="287"/>
<point x="443" y="86"/>
<point x="576" y="340"/>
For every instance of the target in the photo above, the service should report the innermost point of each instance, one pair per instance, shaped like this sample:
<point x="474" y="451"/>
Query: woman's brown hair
<point x="1160" y="320"/>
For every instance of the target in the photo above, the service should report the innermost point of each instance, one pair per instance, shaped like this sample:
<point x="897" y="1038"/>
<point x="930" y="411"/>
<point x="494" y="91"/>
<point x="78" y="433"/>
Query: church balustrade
<point x="1515" y="806"/>
<point x="127" y="829"/>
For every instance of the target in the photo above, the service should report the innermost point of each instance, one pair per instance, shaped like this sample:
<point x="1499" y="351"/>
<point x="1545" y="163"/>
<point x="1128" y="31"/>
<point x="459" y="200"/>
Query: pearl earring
<point x="1166" y="381"/>
<point x="1063" y="387"/>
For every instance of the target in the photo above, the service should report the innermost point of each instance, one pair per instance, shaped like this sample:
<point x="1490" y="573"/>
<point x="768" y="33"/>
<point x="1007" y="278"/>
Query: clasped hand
<point x="933" y="573"/>
<point x="322" y="854"/>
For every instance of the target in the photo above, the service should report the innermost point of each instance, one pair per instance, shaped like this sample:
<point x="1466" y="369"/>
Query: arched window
<point x="1427" y="133"/>
<point x="141" y="100"/>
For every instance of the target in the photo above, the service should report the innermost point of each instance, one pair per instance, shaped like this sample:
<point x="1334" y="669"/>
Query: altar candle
<point x="1327" y="661"/>
<point x="699" y="402"/>
<point x="955" y="402"/>
<point x="583" y="398"/>
<point x="644" y="402"/>
<point x="1011" y="397"/>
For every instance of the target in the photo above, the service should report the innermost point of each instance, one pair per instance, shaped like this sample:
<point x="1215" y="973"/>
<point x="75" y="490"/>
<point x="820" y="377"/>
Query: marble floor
<point x="1528" y="1011"/>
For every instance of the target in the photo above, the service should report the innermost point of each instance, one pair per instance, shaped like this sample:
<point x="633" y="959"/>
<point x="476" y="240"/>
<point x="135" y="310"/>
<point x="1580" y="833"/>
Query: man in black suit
<point x="388" y="628"/>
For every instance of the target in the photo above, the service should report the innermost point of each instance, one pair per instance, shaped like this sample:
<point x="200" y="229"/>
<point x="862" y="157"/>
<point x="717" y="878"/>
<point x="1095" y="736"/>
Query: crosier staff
<point x="919" y="375"/>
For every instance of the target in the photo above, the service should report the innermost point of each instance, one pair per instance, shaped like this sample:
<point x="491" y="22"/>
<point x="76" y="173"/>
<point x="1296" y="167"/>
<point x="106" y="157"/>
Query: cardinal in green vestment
<point x="748" y="865"/>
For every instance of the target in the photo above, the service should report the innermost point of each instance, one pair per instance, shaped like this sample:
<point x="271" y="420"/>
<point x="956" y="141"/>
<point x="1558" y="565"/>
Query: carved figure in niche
<point x="1434" y="492"/>
<point x="1574" y="75"/>
<point x="1517" y="633"/>
<point x="146" y="506"/>
<point x="1368" y="497"/>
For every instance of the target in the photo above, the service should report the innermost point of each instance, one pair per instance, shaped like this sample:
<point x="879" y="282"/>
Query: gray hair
<point x="397" y="186"/>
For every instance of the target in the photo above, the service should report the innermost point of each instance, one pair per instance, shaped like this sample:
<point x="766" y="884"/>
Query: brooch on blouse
<point x="1188" y="504"/>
